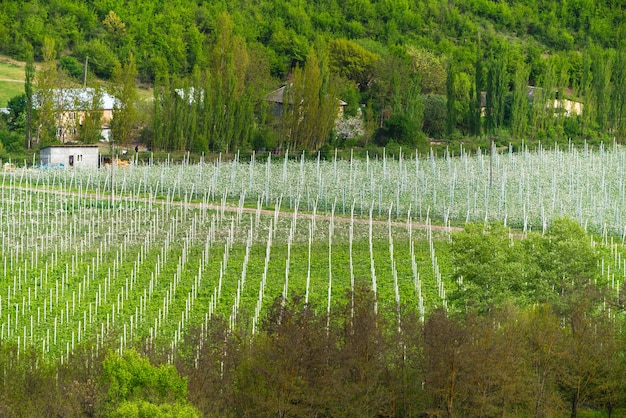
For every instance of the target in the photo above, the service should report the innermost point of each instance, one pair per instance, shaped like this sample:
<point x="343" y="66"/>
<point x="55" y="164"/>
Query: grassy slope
<point x="12" y="81"/>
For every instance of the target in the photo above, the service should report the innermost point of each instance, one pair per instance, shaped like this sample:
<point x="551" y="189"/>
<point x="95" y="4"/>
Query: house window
<point x="72" y="115"/>
<point x="79" y="158"/>
<point x="59" y="132"/>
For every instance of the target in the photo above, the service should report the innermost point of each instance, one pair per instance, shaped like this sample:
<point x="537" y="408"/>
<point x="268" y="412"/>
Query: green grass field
<point x="8" y="90"/>
<point x="11" y="80"/>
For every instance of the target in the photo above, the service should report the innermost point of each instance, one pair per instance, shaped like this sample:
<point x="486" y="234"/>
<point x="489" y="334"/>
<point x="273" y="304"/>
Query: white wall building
<point x="80" y="156"/>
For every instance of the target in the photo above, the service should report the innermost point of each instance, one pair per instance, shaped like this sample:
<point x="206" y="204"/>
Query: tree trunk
<point x="575" y="405"/>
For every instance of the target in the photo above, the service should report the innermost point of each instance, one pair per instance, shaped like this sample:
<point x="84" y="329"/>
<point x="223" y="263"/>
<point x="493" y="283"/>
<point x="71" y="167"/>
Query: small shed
<point x="80" y="156"/>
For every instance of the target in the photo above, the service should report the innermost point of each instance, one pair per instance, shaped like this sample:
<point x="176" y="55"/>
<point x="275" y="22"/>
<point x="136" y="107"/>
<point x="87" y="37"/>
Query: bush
<point x="71" y="66"/>
<point x="264" y="139"/>
<point x="434" y="115"/>
<point x="12" y="142"/>
<point x="399" y="128"/>
<point x="101" y="59"/>
<point x="571" y="127"/>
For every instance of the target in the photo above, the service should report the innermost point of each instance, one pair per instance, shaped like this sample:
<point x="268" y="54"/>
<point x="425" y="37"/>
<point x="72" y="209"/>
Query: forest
<point x="407" y="73"/>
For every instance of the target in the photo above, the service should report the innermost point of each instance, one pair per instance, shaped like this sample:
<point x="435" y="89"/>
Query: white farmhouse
<point x="80" y="156"/>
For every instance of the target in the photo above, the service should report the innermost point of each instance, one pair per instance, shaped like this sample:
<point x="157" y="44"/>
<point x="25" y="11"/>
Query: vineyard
<point x="171" y="246"/>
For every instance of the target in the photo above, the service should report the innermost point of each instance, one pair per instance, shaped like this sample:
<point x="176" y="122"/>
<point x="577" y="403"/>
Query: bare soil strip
<point x="266" y="212"/>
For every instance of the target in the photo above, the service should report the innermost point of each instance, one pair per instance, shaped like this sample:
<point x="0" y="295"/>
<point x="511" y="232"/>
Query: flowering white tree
<point x="350" y="127"/>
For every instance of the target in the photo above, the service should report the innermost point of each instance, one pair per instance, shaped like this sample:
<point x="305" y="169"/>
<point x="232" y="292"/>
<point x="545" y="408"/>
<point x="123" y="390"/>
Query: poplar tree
<point x="585" y="90"/>
<point x="476" y="97"/>
<point x="226" y="116"/>
<point x="562" y="80"/>
<point x="450" y="103"/>
<point x="413" y="105"/>
<point x="601" y="67"/>
<point x="160" y="93"/>
<point x="90" y="128"/>
<point x="46" y="80"/>
<point x="543" y="101"/>
<point x="164" y="96"/>
<point x="519" y="109"/>
<point x="124" y="90"/>
<point x="618" y="100"/>
<point x="310" y="106"/>
<point x="497" y="88"/>
<point x="28" y="90"/>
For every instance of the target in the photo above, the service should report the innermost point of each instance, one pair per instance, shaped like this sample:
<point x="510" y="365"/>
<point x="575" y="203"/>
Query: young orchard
<point x="179" y="244"/>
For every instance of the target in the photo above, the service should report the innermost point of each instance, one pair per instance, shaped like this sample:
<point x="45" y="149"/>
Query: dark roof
<point x="277" y="96"/>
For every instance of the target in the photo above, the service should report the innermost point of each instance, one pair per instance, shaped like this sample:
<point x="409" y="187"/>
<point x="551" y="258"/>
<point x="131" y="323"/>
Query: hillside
<point x="174" y="38"/>
<point x="415" y="69"/>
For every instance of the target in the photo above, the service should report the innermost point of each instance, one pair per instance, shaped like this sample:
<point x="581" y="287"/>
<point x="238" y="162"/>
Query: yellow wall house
<point x="73" y="105"/>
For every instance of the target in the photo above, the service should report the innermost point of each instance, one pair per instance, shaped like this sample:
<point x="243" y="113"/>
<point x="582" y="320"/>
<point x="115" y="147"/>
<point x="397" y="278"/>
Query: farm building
<point x="277" y="100"/>
<point x="82" y="156"/>
<point x="73" y="106"/>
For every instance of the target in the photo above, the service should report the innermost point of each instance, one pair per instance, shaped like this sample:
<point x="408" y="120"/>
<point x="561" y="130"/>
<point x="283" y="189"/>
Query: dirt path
<point x="11" y="81"/>
<point x="266" y="212"/>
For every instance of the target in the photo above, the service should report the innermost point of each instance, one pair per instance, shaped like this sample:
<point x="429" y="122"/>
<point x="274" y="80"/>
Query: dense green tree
<point x="17" y="118"/>
<point x="434" y="108"/>
<point x="431" y="70"/>
<point x="489" y="267"/>
<point x="398" y="128"/>
<point x="618" y="95"/>
<point x="350" y="60"/>
<point x="138" y="388"/>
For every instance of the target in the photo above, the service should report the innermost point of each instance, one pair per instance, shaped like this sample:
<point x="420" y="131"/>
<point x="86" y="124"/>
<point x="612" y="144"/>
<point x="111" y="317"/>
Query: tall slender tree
<point x="46" y="80"/>
<point x="585" y="90"/>
<point x="310" y="106"/>
<point x="519" y="108"/>
<point x="90" y="125"/>
<point x="618" y="99"/>
<point x="124" y="90"/>
<point x="29" y="76"/>
<point x="476" y="97"/>
<point x="451" y="102"/>
<point x="602" y="65"/>
<point x="497" y="88"/>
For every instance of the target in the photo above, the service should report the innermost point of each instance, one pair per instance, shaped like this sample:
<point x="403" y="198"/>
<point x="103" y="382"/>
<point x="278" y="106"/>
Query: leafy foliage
<point x="136" y="388"/>
<point x="492" y="268"/>
<point x="574" y="48"/>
